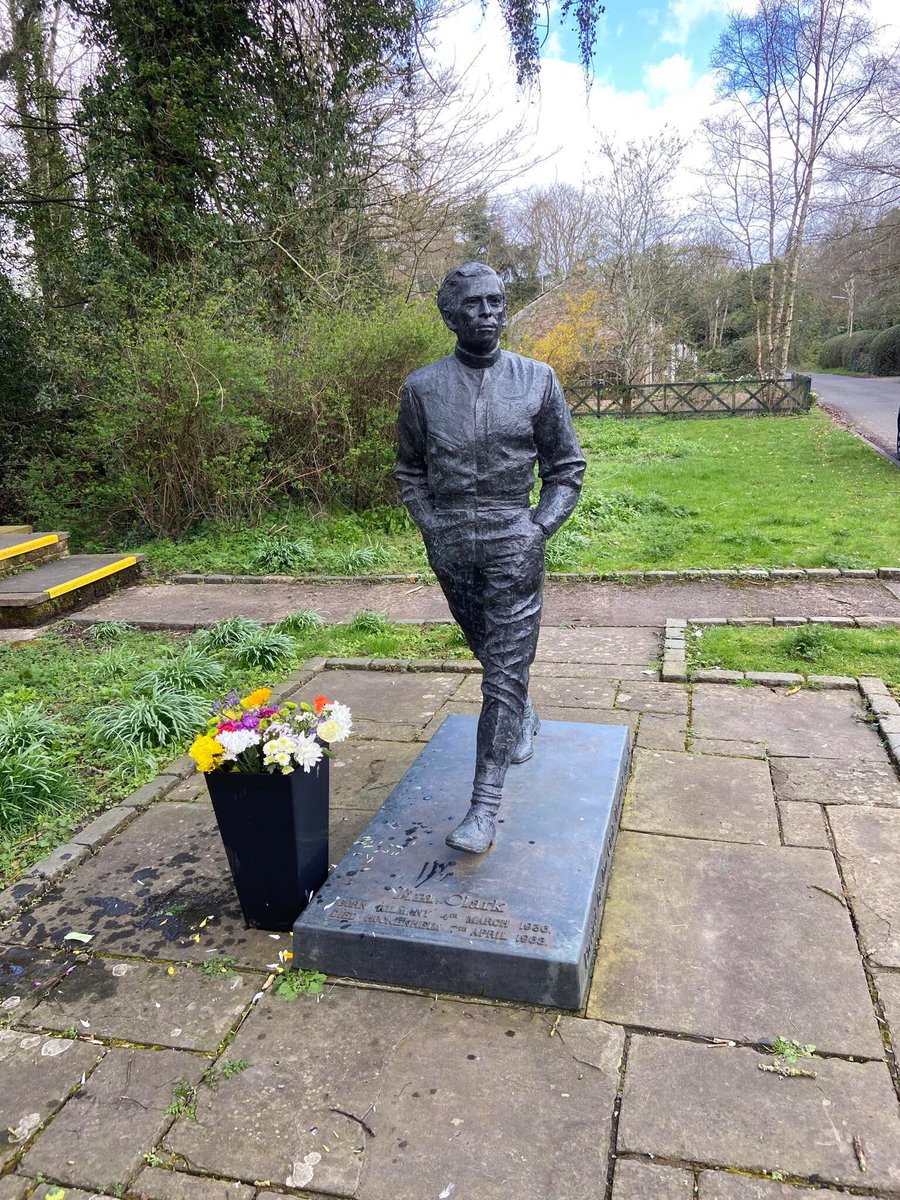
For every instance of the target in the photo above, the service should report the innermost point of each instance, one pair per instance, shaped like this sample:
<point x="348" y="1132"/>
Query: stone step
<point x="22" y="549"/>
<point x="34" y="596"/>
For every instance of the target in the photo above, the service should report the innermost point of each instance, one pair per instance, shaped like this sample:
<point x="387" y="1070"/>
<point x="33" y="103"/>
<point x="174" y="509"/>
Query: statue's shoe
<point x="475" y="832"/>
<point x="531" y="726"/>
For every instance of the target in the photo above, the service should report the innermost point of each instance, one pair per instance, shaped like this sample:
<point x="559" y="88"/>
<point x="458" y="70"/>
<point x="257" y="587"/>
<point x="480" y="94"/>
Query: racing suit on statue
<point x="470" y="430"/>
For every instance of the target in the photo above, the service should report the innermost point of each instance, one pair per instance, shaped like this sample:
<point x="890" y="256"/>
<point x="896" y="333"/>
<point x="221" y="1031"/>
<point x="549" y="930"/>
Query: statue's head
<point x="472" y="300"/>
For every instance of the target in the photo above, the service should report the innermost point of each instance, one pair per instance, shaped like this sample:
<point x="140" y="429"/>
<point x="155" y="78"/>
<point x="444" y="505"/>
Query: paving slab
<point x="146" y="892"/>
<point x="97" y="1140"/>
<point x="719" y="1185"/>
<point x="730" y="749"/>
<point x="661" y="733"/>
<point x="868" y="846"/>
<point x="142" y="1002"/>
<point x="635" y="646"/>
<point x="385" y="731"/>
<point x="425" y="1076"/>
<point x="14" y="1187"/>
<point x="701" y="796"/>
<point x="155" y="1183"/>
<point x="887" y="984"/>
<point x="713" y="1105"/>
<point x="38" y="1074"/>
<point x="595" y="691"/>
<point x="25" y="978"/>
<point x="731" y="941"/>
<point x="391" y="697"/>
<point x="362" y="774"/>
<point x="653" y="697"/>
<point x="604" y="604"/>
<point x="824" y="781"/>
<point x="803" y="824"/>
<point x="571" y="670"/>
<point x="807" y="724"/>
<point x="635" y="1180"/>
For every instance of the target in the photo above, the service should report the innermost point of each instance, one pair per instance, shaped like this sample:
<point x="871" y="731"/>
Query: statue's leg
<point x="512" y="577"/>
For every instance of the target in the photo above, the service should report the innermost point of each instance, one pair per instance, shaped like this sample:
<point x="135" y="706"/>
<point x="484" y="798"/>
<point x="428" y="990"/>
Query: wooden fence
<point x="730" y="398"/>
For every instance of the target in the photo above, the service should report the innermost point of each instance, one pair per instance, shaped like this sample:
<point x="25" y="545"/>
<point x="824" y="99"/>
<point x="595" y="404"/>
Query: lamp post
<point x="851" y="287"/>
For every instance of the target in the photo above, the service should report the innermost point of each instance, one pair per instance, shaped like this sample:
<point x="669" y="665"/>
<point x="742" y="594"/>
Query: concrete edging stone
<point x="689" y="574"/>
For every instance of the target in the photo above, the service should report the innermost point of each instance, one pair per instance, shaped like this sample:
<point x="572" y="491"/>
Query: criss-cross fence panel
<point x="691" y="399"/>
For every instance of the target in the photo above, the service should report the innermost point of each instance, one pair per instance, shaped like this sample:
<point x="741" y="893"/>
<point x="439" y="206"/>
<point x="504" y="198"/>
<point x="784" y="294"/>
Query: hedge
<point x="831" y="350"/>
<point x="884" y="352"/>
<point x="855" y="349"/>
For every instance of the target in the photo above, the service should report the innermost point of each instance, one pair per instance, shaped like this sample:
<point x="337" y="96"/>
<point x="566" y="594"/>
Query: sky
<point x="651" y="70"/>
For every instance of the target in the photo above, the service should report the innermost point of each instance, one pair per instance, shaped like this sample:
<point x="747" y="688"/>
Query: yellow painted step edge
<point x="91" y="577"/>
<point x="48" y="539"/>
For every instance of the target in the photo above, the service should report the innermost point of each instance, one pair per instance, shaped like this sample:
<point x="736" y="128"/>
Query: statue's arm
<point x="560" y="461"/>
<point x="411" y="471"/>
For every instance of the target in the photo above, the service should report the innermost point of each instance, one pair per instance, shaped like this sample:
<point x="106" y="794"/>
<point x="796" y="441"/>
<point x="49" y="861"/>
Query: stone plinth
<point x="518" y="923"/>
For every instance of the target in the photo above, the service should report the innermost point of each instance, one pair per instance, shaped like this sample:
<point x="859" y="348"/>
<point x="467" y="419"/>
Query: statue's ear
<point x="448" y="320"/>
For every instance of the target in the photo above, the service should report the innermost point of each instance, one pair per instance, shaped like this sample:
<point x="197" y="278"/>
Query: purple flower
<point x="249" y="721"/>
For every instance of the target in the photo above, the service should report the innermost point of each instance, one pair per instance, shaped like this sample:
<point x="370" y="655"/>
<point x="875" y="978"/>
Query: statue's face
<point x="479" y="313"/>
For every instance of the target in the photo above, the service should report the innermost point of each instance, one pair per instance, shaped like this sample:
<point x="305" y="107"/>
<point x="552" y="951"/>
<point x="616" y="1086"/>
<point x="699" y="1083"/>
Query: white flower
<point x="337" y="724"/>
<point x="236" y="742"/>
<point x="307" y="752"/>
<point x="278" y="752"/>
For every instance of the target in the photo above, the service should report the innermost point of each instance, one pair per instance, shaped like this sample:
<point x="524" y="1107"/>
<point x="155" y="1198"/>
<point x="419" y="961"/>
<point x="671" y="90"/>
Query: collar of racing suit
<point x="477" y="360"/>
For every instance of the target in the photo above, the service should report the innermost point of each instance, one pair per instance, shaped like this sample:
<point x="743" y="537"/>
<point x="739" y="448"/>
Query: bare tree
<point x="638" y="228"/>
<point x="792" y="75"/>
<point x="561" y="222"/>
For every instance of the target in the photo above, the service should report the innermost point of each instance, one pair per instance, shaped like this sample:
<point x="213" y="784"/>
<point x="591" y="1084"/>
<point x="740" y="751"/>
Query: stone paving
<point x="599" y="604"/>
<point x="755" y="895"/>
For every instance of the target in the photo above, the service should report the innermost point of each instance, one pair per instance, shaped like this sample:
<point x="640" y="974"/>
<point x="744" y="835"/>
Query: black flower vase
<point x="275" y="832"/>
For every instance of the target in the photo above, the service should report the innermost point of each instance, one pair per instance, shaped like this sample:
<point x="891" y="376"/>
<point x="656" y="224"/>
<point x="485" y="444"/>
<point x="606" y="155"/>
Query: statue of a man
<point x="471" y="428"/>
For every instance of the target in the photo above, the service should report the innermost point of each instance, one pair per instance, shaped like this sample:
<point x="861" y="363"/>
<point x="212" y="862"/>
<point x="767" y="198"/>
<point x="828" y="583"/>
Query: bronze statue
<point x="471" y="428"/>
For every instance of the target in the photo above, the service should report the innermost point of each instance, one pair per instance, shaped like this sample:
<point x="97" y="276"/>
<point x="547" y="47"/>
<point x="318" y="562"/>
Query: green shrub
<point x="26" y="727"/>
<point x="809" y="642"/>
<point x="367" y="621"/>
<point x="332" y="403"/>
<point x="266" y="650"/>
<point x="282" y="554"/>
<point x="32" y="786"/>
<point x="855" y="350"/>
<point x="300" y="623"/>
<point x="157" y="717"/>
<point x="227" y="634"/>
<point x="831" y="350"/>
<point x="109" y="631"/>
<point x="192" y="670"/>
<point x="884" y="352"/>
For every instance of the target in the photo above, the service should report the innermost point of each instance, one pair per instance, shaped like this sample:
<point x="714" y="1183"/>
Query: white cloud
<point x="673" y="74"/>
<point x="683" y="15"/>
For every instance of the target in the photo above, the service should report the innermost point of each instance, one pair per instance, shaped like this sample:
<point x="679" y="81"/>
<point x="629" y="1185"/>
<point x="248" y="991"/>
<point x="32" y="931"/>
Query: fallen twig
<point x="860" y="1151"/>
<point x="787" y="1072"/>
<point x="828" y="892"/>
<point x="368" y="1128"/>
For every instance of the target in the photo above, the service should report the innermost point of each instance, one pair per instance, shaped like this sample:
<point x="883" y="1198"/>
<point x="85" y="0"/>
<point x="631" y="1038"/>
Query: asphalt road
<point x="870" y="405"/>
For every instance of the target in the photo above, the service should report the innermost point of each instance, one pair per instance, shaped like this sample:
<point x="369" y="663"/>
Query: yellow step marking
<point x="48" y="539"/>
<point x="91" y="577"/>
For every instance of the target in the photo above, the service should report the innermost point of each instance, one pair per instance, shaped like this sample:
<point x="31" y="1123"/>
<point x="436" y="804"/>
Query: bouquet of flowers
<point x="248" y="734"/>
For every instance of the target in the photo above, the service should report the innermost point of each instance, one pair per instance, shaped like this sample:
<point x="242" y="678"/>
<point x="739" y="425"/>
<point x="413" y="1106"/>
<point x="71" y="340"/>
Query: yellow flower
<point x="206" y="752"/>
<point x="257" y="698"/>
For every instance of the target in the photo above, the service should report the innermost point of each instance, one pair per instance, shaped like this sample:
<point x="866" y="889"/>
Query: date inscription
<point x="472" y="917"/>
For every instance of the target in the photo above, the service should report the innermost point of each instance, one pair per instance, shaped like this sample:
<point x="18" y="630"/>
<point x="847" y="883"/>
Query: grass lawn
<point x="61" y="760"/>
<point x="807" y="649"/>
<point x="719" y="492"/>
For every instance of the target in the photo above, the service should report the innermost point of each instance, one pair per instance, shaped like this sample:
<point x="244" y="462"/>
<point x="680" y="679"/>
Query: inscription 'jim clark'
<point x="459" y="913"/>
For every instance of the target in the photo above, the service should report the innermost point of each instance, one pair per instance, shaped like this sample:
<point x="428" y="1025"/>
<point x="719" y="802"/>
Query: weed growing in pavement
<point x="184" y="1101"/>
<point x="218" y="966"/>
<point x="300" y="983"/>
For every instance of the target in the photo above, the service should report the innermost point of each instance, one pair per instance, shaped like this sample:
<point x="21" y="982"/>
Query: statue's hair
<point x="446" y="296"/>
